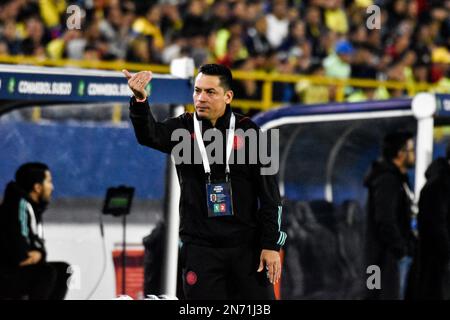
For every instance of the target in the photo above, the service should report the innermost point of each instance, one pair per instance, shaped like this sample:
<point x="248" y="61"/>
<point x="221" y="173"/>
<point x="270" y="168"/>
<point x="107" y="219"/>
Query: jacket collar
<point x="222" y="123"/>
<point x="381" y="167"/>
<point x="14" y="193"/>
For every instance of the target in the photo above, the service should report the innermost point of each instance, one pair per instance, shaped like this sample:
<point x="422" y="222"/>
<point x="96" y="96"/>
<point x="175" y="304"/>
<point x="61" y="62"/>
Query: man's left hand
<point x="34" y="256"/>
<point x="270" y="259"/>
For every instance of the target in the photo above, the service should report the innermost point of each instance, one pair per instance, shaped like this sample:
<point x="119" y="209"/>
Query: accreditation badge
<point x="219" y="199"/>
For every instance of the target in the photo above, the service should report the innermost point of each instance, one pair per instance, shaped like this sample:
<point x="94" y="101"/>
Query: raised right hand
<point x="138" y="82"/>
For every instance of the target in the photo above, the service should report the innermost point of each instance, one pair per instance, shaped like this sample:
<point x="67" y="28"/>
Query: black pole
<point x="124" y="257"/>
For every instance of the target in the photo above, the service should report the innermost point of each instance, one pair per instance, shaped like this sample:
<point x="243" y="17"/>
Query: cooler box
<point x="134" y="276"/>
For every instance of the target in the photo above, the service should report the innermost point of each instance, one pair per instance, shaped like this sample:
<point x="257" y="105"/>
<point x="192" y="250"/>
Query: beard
<point x="40" y="207"/>
<point x="44" y="201"/>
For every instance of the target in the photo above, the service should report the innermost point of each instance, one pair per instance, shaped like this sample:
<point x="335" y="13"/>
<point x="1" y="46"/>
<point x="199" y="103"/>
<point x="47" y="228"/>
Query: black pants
<point x="223" y="273"/>
<point x="43" y="281"/>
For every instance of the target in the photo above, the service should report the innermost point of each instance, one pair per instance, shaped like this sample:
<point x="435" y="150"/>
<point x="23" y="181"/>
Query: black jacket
<point x="434" y="229"/>
<point x="389" y="211"/>
<point x="389" y="234"/>
<point x="18" y="232"/>
<point x="256" y="198"/>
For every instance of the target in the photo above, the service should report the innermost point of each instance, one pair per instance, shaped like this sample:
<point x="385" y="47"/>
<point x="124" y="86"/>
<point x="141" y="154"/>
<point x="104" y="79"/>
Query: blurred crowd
<point x="408" y="41"/>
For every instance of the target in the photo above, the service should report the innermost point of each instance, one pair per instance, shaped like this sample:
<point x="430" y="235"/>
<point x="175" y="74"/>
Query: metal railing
<point x="267" y="79"/>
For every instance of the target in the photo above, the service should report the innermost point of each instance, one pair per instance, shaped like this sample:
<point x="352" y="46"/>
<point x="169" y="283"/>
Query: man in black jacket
<point x="434" y="230"/>
<point x="390" y="239"/>
<point x="24" y="272"/>
<point x="230" y="213"/>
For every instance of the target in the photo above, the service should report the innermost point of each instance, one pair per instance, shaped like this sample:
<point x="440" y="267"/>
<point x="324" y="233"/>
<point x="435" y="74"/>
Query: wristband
<point x="139" y="100"/>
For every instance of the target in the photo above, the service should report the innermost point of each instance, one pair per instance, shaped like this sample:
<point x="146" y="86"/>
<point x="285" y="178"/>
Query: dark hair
<point x="29" y="174"/>
<point x="219" y="70"/>
<point x="394" y="142"/>
<point x="314" y="67"/>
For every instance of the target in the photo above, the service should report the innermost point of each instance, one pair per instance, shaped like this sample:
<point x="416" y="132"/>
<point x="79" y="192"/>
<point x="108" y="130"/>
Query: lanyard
<point x="408" y="191"/>
<point x="201" y="144"/>
<point x="410" y="194"/>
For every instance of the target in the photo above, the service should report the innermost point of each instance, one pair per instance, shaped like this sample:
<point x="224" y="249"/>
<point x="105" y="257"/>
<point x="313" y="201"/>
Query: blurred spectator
<point x="4" y="50"/>
<point x="171" y="20"/>
<point x="239" y="10"/>
<point x="141" y="50"/>
<point x="51" y="12"/>
<point x="91" y="53"/>
<point x="335" y="16"/>
<point x="314" y="27"/>
<point x="277" y="23"/>
<point x="295" y="38"/>
<point x="116" y="28"/>
<point x="441" y="69"/>
<point x="305" y="32"/>
<point x="256" y="40"/>
<point x="284" y="91"/>
<point x="408" y="61"/>
<point x="337" y="64"/>
<point x="358" y="35"/>
<point x="312" y="93"/>
<point x="363" y="67"/>
<point x="326" y="45"/>
<point x="198" y="50"/>
<point x="92" y="37"/>
<point x="440" y="57"/>
<point x="11" y="37"/>
<point x="420" y="72"/>
<point x="194" y="22"/>
<point x="255" y="9"/>
<point x="235" y="51"/>
<point x="220" y="14"/>
<point x="246" y="89"/>
<point x="397" y="13"/>
<point x="422" y="44"/>
<point x="364" y="63"/>
<point x="36" y="39"/>
<point x="149" y="25"/>
<point x="398" y="46"/>
<point x="233" y="29"/>
<point x="374" y="44"/>
<point x="173" y="50"/>
<point x="57" y="48"/>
